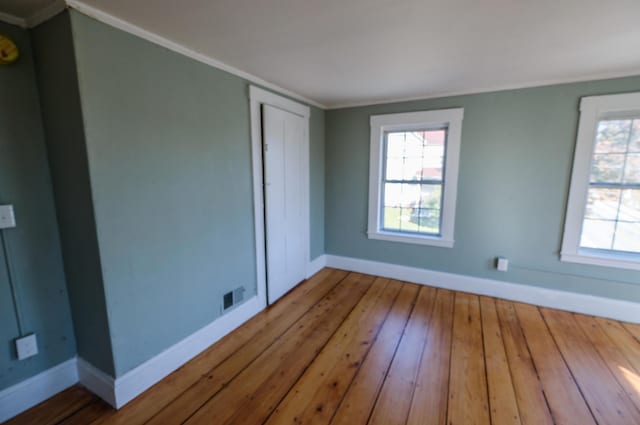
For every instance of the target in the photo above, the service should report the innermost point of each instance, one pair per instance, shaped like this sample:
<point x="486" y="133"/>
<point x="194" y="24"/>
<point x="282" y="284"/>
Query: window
<point x="603" y="214"/>
<point x="414" y="176"/>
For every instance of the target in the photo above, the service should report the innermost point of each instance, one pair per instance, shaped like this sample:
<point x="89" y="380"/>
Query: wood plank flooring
<point x="346" y="348"/>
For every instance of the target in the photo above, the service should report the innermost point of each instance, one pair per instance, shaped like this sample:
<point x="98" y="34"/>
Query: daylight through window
<point x="602" y="225"/>
<point x="413" y="176"/>
<point x="612" y="214"/>
<point x="413" y="181"/>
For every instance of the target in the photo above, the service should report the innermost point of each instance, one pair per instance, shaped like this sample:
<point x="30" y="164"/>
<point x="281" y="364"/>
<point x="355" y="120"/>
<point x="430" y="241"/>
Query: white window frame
<point x="411" y="121"/>
<point x="592" y="110"/>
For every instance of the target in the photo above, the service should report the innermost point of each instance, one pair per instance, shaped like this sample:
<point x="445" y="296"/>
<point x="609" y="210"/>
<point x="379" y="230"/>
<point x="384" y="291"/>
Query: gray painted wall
<point x="33" y="247"/>
<point x="515" y="167"/>
<point x="64" y="130"/>
<point x="168" y="147"/>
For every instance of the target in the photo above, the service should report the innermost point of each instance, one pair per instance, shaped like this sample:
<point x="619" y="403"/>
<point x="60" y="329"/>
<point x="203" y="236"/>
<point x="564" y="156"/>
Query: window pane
<point x="630" y="205"/>
<point x="411" y="157"/>
<point x="395" y="168"/>
<point x="435" y="137"/>
<point x="404" y="156"/>
<point x="415" y="155"/>
<point x="612" y="136"/>
<point x="634" y="143"/>
<point x="412" y="207"/>
<point x="412" y="167"/>
<point x="392" y="218"/>
<point x="395" y="145"/>
<point x="632" y="168"/>
<point x="401" y="195"/>
<point x="414" y="144"/>
<point x="429" y="220"/>
<point x="607" y="168"/>
<point x="408" y="222"/>
<point x="627" y="237"/>
<point x="603" y="203"/>
<point x="597" y="234"/>
<point x="433" y="160"/>
<point x="400" y="219"/>
<point x="432" y="163"/>
<point x="430" y="196"/>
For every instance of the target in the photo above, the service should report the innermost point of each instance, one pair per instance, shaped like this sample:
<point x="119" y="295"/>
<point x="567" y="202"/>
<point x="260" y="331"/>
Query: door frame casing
<point x="257" y="98"/>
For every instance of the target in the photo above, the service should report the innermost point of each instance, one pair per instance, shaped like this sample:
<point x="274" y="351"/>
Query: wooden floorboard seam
<point x="453" y="307"/>
<point x="352" y="339"/>
<point x="373" y="341"/>
<point x="425" y="341"/>
<point x="453" y="313"/>
<point x="420" y="360"/>
<point x="275" y="340"/>
<point x="484" y="360"/>
<point x="360" y="397"/>
<point x="634" y="335"/>
<point x="610" y="356"/>
<point x="511" y="367"/>
<point x="404" y="330"/>
<point x="575" y="381"/>
<point x="323" y="347"/>
<point x="76" y="411"/>
<point x="371" y="350"/>
<point x="249" y="364"/>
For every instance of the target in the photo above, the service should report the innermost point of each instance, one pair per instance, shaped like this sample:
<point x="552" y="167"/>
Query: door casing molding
<point x="257" y="98"/>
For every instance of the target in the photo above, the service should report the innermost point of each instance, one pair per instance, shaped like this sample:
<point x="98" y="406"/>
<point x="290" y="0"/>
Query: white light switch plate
<point x="26" y="346"/>
<point x="7" y="218"/>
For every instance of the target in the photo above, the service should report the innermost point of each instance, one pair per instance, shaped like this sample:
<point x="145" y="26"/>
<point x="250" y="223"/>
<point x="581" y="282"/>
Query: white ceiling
<point x="340" y="52"/>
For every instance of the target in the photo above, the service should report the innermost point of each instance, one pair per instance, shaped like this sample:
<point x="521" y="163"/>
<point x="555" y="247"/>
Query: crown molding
<point x="60" y="5"/>
<point x="36" y="18"/>
<point x="126" y="26"/>
<point x="490" y="89"/>
<point x="10" y="19"/>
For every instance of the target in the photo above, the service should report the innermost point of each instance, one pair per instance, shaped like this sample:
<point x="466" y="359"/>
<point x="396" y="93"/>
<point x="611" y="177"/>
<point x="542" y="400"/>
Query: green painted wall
<point x="62" y="116"/>
<point x="316" y="171"/>
<point x="33" y="246"/>
<point x="168" y="147"/>
<point x="515" y="167"/>
<point x="151" y="167"/>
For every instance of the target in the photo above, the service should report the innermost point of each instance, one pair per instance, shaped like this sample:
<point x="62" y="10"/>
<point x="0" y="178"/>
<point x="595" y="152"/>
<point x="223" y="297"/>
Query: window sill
<point x="413" y="239"/>
<point x="596" y="258"/>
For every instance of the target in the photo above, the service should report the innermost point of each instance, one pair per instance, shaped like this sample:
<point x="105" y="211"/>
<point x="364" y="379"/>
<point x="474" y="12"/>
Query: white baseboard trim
<point x="316" y="265"/>
<point x="118" y="392"/>
<point x="137" y="380"/>
<point x="562" y="300"/>
<point x="96" y="381"/>
<point x="26" y="394"/>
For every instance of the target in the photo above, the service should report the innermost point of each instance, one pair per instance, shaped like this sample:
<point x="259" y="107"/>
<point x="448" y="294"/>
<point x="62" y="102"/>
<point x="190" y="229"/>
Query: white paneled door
<point x="284" y="190"/>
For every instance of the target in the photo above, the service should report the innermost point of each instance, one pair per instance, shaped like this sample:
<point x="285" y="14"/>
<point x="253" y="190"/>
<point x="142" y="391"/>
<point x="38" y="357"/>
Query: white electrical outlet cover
<point x="7" y="218"/>
<point x="503" y="264"/>
<point x="26" y="346"/>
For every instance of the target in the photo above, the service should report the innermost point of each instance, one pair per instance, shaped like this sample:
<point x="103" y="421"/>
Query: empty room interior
<point x="319" y="212"/>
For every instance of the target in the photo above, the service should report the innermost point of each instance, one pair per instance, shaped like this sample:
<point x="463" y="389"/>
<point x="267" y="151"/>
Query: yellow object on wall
<point x="8" y="50"/>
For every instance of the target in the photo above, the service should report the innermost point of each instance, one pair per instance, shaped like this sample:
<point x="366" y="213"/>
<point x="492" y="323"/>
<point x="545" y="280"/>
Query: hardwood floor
<point x="346" y="348"/>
